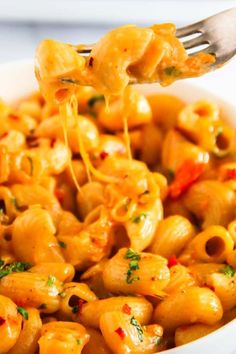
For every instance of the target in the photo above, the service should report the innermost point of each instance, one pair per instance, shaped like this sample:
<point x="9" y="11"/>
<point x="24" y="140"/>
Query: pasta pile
<point x="117" y="224"/>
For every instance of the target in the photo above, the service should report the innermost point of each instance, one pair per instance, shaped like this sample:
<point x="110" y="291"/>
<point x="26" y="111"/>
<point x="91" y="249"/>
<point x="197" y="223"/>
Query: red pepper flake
<point x="32" y="141"/>
<point x="126" y="309"/>
<point x="230" y="173"/>
<point x="81" y="302"/>
<point x="172" y="261"/>
<point x="103" y="155"/>
<point x="13" y="116"/>
<point x="2" y="321"/>
<point x="120" y="332"/>
<point x="91" y="60"/>
<point x="20" y="303"/>
<point x="53" y="142"/>
<point x="59" y="195"/>
<point x="76" y="303"/>
<point x="186" y="175"/>
<point x="4" y="135"/>
<point x="211" y="287"/>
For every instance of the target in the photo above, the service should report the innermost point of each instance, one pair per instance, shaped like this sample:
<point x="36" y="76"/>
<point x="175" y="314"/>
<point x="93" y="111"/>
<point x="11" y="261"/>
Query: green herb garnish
<point x="228" y="270"/>
<point x="51" y="280"/>
<point x="75" y="309"/>
<point x="78" y="341"/>
<point x="135" y="323"/>
<point x="23" y="312"/>
<point x="131" y="254"/>
<point x="158" y="340"/>
<point x="171" y="173"/>
<point x="62" y="294"/>
<point x="15" y="267"/>
<point x="67" y="80"/>
<point x="133" y="265"/>
<point x="95" y="99"/>
<point x="138" y="218"/>
<point x="31" y="165"/>
<point x="219" y="131"/>
<point x="14" y="202"/>
<point x="62" y="244"/>
<point x="172" y="71"/>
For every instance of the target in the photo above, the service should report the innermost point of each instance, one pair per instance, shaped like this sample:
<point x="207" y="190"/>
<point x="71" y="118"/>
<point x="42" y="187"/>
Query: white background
<point x="23" y="23"/>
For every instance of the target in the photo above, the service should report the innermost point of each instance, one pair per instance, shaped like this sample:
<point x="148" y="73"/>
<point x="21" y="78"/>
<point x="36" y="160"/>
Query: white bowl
<point x="17" y="80"/>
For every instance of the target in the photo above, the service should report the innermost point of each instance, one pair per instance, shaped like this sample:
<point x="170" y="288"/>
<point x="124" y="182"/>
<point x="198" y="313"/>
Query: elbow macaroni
<point x="117" y="212"/>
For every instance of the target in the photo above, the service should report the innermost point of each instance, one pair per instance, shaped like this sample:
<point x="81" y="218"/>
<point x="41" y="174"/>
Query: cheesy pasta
<point x="117" y="210"/>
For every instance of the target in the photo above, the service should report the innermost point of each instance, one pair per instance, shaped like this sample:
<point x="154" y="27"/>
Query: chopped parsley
<point x="75" y="309"/>
<point x="67" y="80"/>
<point x="51" y="280"/>
<point x="171" y="174"/>
<point x="4" y="219"/>
<point x="17" y="267"/>
<point x="62" y="244"/>
<point x="135" y="323"/>
<point x="31" y="165"/>
<point x="219" y="131"/>
<point x="14" y="202"/>
<point x="23" y="312"/>
<point x="62" y="294"/>
<point x="227" y="270"/>
<point x="133" y="265"/>
<point x="138" y="218"/>
<point x="95" y="99"/>
<point x="158" y="340"/>
<point x="78" y="341"/>
<point x="172" y="71"/>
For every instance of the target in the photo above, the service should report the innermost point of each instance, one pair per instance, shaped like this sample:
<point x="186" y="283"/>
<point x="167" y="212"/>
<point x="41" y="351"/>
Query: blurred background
<point x="23" y="23"/>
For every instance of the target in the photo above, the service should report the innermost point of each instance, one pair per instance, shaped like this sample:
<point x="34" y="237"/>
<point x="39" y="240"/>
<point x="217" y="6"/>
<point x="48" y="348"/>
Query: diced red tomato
<point x="126" y="309"/>
<point x="13" y="116"/>
<point x="185" y="176"/>
<point x="120" y="332"/>
<point x="103" y="155"/>
<point x="53" y="142"/>
<point x="81" y="302"/>
<point x="172" y="261"/>
<point x="230" y="173"/>
<point x="59" y="195"/>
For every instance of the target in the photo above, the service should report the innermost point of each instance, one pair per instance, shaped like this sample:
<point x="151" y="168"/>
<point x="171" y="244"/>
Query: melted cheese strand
<point x="64" y="128"/>
<point x="68" y="109"/>
<point x="127" y="137"/>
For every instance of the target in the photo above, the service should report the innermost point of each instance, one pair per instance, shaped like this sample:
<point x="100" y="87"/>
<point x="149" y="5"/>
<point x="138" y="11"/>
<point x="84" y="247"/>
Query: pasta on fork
<point x="127" y="53"/>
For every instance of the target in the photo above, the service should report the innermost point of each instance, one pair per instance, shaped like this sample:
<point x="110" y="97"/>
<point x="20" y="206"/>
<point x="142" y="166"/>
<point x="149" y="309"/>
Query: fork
<point x="217" y="33"/>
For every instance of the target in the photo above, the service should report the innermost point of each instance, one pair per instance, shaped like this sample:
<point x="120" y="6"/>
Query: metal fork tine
<point x="188" y="30"/>
<point x="209" y="50"/>
<point x="195" y="42"/>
